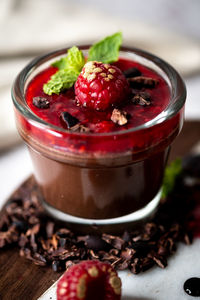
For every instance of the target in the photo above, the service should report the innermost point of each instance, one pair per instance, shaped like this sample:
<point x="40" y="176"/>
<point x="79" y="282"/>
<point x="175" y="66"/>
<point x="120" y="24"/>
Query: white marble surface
<point x="157" y="284"/>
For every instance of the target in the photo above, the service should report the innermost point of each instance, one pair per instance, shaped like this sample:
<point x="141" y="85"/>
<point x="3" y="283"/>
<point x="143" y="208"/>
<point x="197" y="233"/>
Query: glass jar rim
<point x="176" y="103"/>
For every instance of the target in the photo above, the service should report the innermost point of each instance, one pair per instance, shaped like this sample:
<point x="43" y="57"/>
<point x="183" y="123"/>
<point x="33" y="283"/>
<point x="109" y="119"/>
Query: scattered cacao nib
<point x="119" y="117"/>
<point x="142" y="98"/>
<point x="46" y="242"/>
<point x="187" y="238"/>
<point x="50" y="229"/>
<point x="123" y="265"/>
<point x="96" y="243"/>
<point x="68" y="120"/>
<point x="159" y="260"/>
<point x="132" y="72"/>
<point x="135" y="266"/>
<point x="142" y="81"/>
<point x="128" y="254"/>
<point x="58" y="266"/>
<point x="68" y="264"/>
<point x="126" y="236"/>
<point x="146" y="263"/>
<point x="41" y="102"/>
<point x="39" y="259"/>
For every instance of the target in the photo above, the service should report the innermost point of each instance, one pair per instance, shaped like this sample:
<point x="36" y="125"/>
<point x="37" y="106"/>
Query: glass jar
<point x="100" y="178"/>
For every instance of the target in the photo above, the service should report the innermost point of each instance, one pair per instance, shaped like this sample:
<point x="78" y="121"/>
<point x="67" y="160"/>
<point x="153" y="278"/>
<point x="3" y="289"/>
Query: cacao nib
<point x="41" y="102"/>
<point x="142" y="81"/>
<point x="96" y="243"/>
<point x="68" y="120"/>
<point x="160" y="261"/>
<point x="187" y="239"/>
<point x="57" y="266"/>
<point x="141" y="98"/>
<point x="132" y="72"/>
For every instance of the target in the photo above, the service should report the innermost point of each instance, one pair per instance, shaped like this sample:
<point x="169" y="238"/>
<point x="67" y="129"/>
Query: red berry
<point x="100" y="86"/>
<point x="89" y="280"/>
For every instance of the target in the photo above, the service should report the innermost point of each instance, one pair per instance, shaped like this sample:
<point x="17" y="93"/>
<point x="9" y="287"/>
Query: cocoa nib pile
<point x="40" y="239"/>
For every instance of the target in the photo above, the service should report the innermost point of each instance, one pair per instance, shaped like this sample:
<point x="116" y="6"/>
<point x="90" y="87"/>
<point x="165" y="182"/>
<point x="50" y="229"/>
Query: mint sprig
<point x="69" y="69"/>
<point x="171" y="173"/>
<point x="105" y="51"/>
<point x="74" y="60"/>
<point x="60" y="81"/>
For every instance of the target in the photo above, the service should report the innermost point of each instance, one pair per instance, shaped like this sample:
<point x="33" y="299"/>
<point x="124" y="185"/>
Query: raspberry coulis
<point x="98" y="121"/>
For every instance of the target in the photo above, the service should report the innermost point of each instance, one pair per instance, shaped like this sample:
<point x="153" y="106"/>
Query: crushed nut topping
<point x="119" y="117"/>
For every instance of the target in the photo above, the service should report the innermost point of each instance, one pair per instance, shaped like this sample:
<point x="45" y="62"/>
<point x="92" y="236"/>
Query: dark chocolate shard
<point x="41" y="102"/>
<point x="142" y="81"/>
<point x="132" y="72"/>
<point x="68" y="120"/>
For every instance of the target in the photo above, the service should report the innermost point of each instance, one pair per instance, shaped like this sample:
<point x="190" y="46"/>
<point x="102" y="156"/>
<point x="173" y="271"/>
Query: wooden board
<point x="21" y="279"/>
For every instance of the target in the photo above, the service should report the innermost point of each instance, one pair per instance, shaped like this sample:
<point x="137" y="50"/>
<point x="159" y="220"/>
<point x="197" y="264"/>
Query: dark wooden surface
<point x="20" y="279"/>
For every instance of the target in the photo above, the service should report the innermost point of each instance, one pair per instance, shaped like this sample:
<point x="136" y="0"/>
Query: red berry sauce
<point x="98" y="121"/>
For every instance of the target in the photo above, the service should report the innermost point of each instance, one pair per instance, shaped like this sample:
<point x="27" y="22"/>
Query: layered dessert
<point x="99" y="125"/>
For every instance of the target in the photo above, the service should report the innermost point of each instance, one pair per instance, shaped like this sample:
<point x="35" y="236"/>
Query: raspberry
<point x="89" y="280"/>
<point x="100" y="86"/>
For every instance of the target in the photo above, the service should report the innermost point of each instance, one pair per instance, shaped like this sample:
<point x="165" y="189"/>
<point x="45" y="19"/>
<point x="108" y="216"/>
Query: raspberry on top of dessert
<point x="100" y="86"/>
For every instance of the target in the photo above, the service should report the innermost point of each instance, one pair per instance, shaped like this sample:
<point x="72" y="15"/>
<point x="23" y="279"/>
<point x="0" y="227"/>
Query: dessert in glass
<point x="100" y="146"/>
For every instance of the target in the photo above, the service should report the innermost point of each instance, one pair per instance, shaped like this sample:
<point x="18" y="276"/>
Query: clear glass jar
<point x="100" y="178"/>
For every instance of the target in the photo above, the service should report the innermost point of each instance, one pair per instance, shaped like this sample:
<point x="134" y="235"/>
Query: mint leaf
<point x="170" y="175"/>
<point x="69" y="69"/>
<point x="60" y="64"/>
<point x="107" y="50"/>
<point x="74" y="60"/>
<point x="61" y="80"/>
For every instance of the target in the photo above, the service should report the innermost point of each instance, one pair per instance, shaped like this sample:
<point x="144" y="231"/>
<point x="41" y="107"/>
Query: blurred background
<point x="168" y="28"/>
